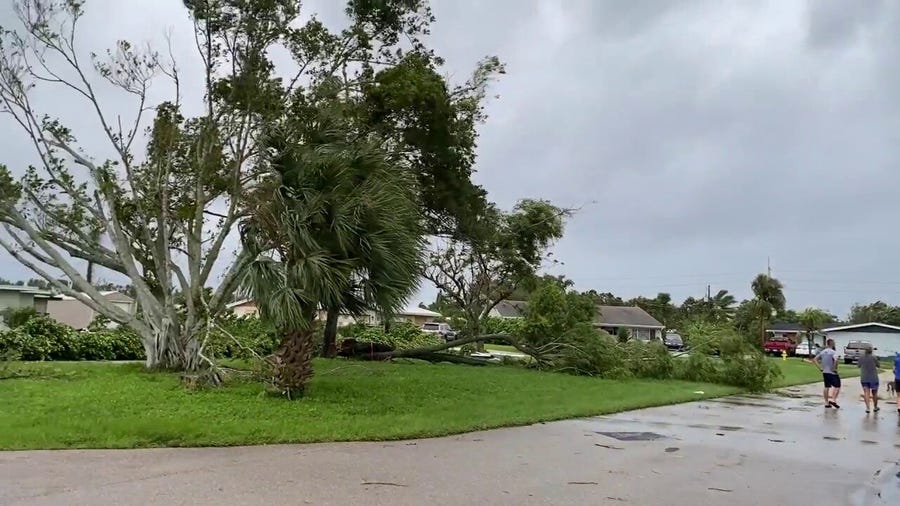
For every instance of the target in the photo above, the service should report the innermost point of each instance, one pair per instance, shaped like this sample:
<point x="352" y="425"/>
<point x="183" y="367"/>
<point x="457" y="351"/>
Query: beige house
<point x="244" y="307"/>
<point x="417" y="316"/>
<point x="16" y="296"/>
<point x="76" y="314"/>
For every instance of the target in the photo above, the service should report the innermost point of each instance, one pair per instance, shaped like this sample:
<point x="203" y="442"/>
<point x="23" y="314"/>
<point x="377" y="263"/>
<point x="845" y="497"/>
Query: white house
<point x="884" y="338"/>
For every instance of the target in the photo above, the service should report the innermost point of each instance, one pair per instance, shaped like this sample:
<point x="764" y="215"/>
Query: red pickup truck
<point x="775" y="345"/>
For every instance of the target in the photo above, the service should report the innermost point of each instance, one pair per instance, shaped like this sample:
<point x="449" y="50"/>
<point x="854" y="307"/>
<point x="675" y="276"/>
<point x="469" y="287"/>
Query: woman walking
<point x="868" y="376"/>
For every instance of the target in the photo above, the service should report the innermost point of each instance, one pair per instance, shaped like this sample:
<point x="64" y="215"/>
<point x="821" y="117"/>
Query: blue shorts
<point x="868" y="385"/>
<point x="831" y="380"/>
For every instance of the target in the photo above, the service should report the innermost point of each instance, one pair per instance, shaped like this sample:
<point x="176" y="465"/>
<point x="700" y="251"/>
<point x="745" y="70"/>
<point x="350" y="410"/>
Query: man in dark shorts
<point x="897" y="380"/>
<point x="827" y="362"/>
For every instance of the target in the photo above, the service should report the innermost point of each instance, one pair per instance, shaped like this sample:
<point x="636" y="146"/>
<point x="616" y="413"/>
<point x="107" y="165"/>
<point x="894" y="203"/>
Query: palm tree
<point x="334" y="225"/>
<point x="723" y="306"/>
<point x="769" y="301"/>
<point x="812" y="320"/>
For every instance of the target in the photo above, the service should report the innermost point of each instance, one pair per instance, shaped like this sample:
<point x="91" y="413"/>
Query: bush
<point x="119" y="343"/>
<point x="15" y="317"/>
<point x="42" y="338"/>
<point x="586" y="351"/>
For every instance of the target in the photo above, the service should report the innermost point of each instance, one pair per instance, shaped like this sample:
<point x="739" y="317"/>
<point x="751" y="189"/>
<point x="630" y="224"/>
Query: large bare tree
<point x="158" y="215"/>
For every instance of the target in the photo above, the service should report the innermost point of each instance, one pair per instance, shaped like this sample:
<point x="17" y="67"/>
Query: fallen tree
<point x="352" y="348"/>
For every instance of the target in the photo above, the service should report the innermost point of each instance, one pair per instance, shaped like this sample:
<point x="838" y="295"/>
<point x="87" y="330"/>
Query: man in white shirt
<point x="827" y="362"/>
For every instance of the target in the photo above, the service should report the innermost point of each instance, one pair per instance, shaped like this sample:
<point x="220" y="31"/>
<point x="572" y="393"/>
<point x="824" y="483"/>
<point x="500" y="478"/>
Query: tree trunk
<point x="293" y="362"/>
<point x="430" y="351"/>
<point x="170" y="351"/>
<point x="329" y="342"/>
<point x="762" y="333"/>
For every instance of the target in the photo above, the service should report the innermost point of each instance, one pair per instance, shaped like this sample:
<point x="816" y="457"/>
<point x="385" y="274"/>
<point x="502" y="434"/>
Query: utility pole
<point x="708" y="293"/>
<point x="769" y="266"/>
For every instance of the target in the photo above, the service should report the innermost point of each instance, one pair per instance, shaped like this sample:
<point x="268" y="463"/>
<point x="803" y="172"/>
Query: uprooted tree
<point x="160" y="216"/>
<point x="478" y="273"/>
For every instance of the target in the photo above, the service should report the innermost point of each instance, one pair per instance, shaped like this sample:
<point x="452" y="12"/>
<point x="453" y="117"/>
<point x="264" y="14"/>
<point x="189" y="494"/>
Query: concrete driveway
<point x="779" y="449"/>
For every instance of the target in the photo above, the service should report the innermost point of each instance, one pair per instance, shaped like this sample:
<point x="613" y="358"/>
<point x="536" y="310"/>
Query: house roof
<point x="864" y="327"/>
<point x="31" y="290"/>
<point x="785" y="327"/>
<point x="417" y="311"/>
<point x="110" y="295"/>
<point x="625" y="316"/>
<point x="511" y="308"/>
<point x="242" y="302"/>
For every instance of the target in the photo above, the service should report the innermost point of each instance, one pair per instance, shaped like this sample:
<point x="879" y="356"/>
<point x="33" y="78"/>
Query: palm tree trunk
<point x="294" y="362"/>
<point x="329" y="342"/>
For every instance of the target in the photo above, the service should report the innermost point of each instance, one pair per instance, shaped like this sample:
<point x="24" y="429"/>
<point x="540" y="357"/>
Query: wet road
<point x="780" y="449"/>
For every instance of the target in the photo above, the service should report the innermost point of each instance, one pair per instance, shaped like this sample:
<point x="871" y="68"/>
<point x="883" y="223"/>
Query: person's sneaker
<point x="877" y="409"/>
<point x="867" y="411"/>
<point x="835" y="405"/>
<point x="828" y="406"/>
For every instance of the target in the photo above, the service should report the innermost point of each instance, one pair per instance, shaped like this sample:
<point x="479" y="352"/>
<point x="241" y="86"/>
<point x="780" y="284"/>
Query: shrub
<point x="120" y="343"/>
<point x="40" y="338"/>
<point x="15" y="317"/>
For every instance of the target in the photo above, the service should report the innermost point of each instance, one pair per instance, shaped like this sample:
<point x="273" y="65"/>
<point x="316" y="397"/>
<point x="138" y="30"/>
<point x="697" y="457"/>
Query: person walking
<point x="868" y="376"/>
<point x="826" y="361"/>
<point x="897" y="380"/>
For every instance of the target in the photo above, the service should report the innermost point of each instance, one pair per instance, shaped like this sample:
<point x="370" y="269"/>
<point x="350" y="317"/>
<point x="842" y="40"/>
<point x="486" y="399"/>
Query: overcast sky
<point x="700" y="137"/>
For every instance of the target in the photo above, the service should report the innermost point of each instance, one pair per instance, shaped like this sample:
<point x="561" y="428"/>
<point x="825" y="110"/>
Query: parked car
<point x="777" y="345"/>
<point x="855" y="349"/>
<point x="441" y="329"/>
<point x="674" y="341"/>
<point x="804" y="350"/>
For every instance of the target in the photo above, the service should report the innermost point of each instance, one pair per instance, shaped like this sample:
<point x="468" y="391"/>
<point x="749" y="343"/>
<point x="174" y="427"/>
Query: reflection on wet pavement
<point x="838" y="448"/>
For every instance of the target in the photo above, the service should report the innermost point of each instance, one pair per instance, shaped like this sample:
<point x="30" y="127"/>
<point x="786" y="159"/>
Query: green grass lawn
<point x="97" y="405"/>
<point x="500" y="347"/>
<point x="798" y="371"/>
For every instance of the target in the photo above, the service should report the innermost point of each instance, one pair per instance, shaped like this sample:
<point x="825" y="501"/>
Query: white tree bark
<point x="50" y="217"/>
